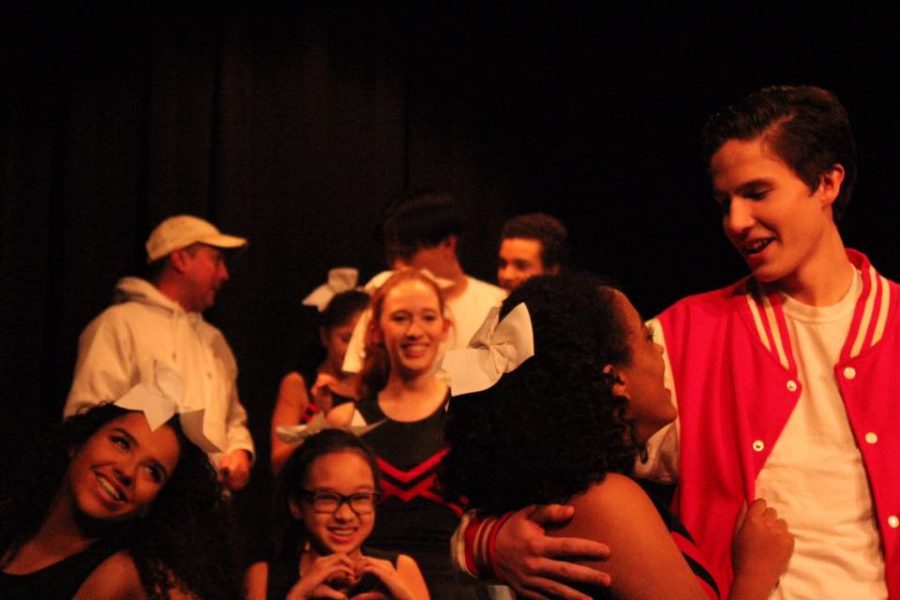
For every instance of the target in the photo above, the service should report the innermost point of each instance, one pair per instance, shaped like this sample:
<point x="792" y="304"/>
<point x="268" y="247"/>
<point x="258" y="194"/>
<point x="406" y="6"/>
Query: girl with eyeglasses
<point x="329" y="489"/>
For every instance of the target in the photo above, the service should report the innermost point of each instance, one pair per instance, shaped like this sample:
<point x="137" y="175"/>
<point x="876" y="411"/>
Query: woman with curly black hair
<point x="566" y="427"/>
<point x="106" y="507"/>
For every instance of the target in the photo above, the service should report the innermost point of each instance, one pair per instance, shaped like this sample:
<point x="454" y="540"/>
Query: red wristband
<point x="492" y="541"/>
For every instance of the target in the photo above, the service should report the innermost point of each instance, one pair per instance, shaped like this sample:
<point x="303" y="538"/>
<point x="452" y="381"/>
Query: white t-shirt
<point x="814" y="476"/>
<point x="469" y="309"/>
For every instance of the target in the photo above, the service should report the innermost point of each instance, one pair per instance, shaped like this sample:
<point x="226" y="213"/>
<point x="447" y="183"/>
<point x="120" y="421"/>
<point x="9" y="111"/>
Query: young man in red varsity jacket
<point x="786" y="381"/>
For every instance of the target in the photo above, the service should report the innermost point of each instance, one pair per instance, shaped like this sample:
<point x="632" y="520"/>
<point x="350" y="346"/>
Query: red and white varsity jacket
<point x="736" y="383"/>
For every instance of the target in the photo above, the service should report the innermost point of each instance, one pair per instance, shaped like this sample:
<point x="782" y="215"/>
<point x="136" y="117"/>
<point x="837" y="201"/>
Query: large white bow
<point x="297" y="434"/>
<point x="340" y="279"/>
<point x="495" y="349"/>
<point x="163" y="398"/>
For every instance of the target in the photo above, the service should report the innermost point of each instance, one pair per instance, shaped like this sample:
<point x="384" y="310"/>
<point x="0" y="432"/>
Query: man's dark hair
<point x="419" y="219"/>
<point x="549" y="231"/>
<point x="806" y="126"/>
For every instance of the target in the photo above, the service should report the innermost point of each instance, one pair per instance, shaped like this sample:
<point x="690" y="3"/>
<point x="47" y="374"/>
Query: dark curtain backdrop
<point x="293" y="125"/>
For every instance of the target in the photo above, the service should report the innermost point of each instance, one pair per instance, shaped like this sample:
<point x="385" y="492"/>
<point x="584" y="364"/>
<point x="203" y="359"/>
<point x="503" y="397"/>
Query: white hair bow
<point x="297" y="434"/>
<point x="162" y="399"/>
<point x="495" y="349"/>
<point x="340" y="279"/>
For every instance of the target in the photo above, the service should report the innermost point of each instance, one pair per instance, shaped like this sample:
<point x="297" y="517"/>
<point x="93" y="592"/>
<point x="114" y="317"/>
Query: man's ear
<point x="619" y="386"/>
<point x="554" y="270"/>
<point x="830" y="182"/>
<point x="450" y="242"/>
<point x="178" y="259"/>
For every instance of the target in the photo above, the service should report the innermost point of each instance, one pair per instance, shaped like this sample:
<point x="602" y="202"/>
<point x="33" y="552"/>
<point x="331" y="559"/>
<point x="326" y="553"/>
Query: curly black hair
<point x="289" y="534"/>
<point x="552" y="427"/>
<point x="182" y="542"/>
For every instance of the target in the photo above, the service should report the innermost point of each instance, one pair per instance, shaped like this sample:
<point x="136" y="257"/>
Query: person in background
<point x="404" y="406"/>
<point x="331" y="386"/>
<point x="531" y="244"/>
<point x="160" y="320"/>
<point x="421" y="230"/>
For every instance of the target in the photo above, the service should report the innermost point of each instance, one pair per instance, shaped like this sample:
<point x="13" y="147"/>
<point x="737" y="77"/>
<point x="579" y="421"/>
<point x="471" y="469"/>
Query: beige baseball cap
<point x="183" y="230"/>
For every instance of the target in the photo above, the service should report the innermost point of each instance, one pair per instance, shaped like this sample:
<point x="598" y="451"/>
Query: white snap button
<point x="758" y="445"/>
<point x="791" y="385"/>
<point x="871" y="437"/>
<point x="893" y="521"/>
<point x="849" y="372"/>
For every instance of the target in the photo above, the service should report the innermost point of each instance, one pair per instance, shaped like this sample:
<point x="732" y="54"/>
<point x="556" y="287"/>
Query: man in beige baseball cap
<point x="159" y="320"/>
<point x="183" y="230"/>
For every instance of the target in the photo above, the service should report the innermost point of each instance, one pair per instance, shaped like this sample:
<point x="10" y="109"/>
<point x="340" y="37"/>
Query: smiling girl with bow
<point x="113" y="504"/>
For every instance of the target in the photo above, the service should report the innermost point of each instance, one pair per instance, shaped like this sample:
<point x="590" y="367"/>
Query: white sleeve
<point x="105" y="368"/>
<point x="236" y="430"/>
<point x="663" y="446"/>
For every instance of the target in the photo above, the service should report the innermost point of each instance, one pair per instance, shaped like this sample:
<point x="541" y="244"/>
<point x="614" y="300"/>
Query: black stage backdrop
<point x="293" y="125"/>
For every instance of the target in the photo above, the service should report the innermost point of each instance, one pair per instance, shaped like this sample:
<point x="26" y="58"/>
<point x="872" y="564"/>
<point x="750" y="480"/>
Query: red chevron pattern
<point x="418" y="482"/>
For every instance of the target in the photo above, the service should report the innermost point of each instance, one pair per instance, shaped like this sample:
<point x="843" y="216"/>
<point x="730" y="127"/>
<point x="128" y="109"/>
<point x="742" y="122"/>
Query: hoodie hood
<point x="135" y="289"/>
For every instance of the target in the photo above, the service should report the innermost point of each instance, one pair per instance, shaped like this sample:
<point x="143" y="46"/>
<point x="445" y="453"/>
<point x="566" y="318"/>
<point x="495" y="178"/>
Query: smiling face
<point x="518" y="260"/>
<point x="642" y="379"/>
<point x="117" y="474"/>
<point x="411" y="327"/>
<point x="204" y="271"/>
<point x="345" y="473"/>
<point x="779" y="226"/>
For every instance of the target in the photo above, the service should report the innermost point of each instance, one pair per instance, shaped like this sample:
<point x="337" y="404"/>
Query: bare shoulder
<point x="407" y="564"/>
<point x="116" y="577"/>
<point x="256" y="581"/>
<point x="341" y="416"/>
<point x="293" y="380"/>
<point x="292" y="389"/>
<point x="408" y="572"/>
<point x="616" y="509"/>
<point x="644" y="561"/>
<point x="616" y="494"/>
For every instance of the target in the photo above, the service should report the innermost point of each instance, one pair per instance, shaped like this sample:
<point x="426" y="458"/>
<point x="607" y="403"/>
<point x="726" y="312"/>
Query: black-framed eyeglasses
<point x="326" y="501"/>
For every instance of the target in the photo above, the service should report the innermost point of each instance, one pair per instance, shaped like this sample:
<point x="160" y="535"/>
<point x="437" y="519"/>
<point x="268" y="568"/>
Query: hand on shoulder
<point x="536" y="565"/>
<point x="644" y="562"/>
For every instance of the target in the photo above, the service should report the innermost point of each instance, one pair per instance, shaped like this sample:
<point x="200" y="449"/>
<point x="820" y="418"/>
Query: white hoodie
<point x="117" y="350"/>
